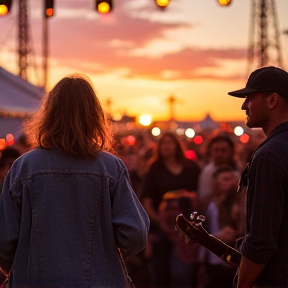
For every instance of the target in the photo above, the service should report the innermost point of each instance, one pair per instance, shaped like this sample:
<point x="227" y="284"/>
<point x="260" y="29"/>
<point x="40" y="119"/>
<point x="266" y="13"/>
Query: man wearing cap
<point x="264" y="249"/>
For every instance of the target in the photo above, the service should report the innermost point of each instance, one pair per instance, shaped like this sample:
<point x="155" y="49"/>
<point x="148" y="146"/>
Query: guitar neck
<point x="222" y="250"/>
<point x="196" y="233"/>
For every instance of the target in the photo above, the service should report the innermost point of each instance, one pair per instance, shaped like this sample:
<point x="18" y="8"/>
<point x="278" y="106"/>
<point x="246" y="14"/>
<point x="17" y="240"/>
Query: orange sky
<point x="138" y="56"/>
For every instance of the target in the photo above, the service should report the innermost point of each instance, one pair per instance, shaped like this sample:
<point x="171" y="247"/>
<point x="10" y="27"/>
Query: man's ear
<point x="273" y="100"/>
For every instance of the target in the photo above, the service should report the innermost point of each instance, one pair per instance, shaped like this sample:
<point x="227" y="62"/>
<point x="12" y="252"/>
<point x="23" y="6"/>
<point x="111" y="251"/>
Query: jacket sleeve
<point x="130" y="221"/>
<point x="9" y="227"/>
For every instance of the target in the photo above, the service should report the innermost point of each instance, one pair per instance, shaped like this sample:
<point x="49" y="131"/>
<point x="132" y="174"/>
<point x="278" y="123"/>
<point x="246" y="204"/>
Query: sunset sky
<point x="138" y="55"/>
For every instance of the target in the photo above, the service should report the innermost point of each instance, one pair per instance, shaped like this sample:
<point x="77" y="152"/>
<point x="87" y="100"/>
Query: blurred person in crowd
<point x="220" y="152"/>
<point x="68" y="215"/>
<point x="221" y="221"/>
<point x="7" y="157"/>
<point x="183" y="257"/>
<point x="136" y="151"/>
<point x="264" y="181"/>
<point x="169" y="170"/>
<point x="144" y="151"/>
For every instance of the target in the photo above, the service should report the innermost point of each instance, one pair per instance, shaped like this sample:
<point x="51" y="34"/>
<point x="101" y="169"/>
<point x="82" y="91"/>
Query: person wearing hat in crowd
<point x="265" y="179"/>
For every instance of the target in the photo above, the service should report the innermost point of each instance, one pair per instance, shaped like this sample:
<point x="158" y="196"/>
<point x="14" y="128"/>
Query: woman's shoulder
<point x="109" y="156"/>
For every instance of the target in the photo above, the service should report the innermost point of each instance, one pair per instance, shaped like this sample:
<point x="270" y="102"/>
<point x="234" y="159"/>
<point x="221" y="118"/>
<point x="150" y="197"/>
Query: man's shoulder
<point x="276" y="145"/>
<point x="275" y="151"/>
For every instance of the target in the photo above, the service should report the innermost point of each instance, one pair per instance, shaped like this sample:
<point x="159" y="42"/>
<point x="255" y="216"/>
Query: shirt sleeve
<point x="130" y="220"/>
<point x="265" y="202"/>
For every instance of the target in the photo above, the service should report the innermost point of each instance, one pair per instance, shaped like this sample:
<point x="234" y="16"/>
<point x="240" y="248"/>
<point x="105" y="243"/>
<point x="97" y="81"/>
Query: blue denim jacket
<point x="64" y="219"/>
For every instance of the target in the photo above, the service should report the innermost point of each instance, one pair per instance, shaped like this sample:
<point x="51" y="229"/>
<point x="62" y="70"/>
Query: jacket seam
<point x="40" y="172"/>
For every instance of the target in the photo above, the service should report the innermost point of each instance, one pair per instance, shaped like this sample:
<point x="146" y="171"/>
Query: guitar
<point x="193" y="231"/>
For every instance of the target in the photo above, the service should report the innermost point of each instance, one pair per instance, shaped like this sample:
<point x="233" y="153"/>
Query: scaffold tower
<point x="264" y="40"/>
<point x="23" y="39"/>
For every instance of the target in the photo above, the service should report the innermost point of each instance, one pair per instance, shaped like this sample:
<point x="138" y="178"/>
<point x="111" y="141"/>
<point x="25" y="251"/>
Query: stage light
<point x="49" y="8"/>
<point x="5" y="6"/>
<point x="162" y="3"/>
<point x="104" y="6"/>
<point x="224" y="2"/>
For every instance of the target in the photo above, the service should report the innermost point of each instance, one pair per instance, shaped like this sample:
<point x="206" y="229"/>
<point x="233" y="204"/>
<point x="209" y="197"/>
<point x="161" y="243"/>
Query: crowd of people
<point x="167" y="183"/>
<point x="117" y="210"/>
<point x="206" y="184"/>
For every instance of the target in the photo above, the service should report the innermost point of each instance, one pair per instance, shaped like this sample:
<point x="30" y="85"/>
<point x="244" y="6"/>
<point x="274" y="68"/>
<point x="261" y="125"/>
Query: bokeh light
<point x="156" y="131"/>
<point x="198" y="140"/>
<point x="190" y="133"/>
<point x="3" y="143"/>
<point x="238" y="131"/>
<point x="131" y="140"/>
<point x="244" y="138"/>
<point x="145" y="119"/>
<point x="190" y="154"/>
<point x="180" y="131"/>
<point x="10" y="139"/>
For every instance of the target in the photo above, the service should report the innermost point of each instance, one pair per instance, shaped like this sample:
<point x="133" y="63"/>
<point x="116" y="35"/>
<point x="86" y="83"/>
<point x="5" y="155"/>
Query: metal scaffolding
<point x="264" y="41"/>
<point x="23" y="39"/>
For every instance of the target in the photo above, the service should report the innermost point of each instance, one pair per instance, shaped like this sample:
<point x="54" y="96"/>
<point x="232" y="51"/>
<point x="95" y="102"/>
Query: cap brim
<point x="242" y="92"/>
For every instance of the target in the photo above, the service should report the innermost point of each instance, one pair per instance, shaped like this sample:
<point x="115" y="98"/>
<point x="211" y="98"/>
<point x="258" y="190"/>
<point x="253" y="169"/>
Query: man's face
<point x="221" y="153"/>
<point x="256" y="109"/>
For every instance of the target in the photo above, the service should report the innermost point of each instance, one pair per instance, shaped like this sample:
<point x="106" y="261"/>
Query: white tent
<point x="208" y="123"/>
<point x="17" y="98"/>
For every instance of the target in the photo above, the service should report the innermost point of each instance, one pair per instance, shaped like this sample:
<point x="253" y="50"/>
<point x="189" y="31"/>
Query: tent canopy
<point x="17" y="97"/>
<point x="17" y="94"/>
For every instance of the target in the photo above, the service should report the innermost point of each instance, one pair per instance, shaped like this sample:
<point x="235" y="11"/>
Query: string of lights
<point x="101" y="6"/>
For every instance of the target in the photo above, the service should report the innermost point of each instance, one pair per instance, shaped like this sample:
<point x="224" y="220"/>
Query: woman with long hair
<point x="68" y="215"/>
<point x="169" y="170"/>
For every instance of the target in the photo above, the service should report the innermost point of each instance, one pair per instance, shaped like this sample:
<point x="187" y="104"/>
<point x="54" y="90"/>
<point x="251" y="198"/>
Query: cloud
<point x="188" y="63"/>
<point x="133" y="41"/>
<point x="132" y="45"/>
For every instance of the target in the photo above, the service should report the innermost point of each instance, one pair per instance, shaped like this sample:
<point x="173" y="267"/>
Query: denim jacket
<point x="65" y="221"/>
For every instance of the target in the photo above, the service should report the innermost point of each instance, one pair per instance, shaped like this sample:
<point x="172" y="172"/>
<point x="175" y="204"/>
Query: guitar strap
<point x="128" y="283"/>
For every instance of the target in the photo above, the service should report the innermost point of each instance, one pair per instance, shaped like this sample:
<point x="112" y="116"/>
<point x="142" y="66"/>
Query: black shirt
<point x="160" y="180"/>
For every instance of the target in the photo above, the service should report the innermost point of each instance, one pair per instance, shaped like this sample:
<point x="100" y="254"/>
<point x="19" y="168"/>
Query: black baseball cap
<point x="265" y="79"/>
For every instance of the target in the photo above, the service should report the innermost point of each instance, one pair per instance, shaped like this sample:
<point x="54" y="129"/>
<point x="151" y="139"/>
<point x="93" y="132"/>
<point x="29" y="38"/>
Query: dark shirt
<point x="266" y="240"/>
<point x="160" y="180"/>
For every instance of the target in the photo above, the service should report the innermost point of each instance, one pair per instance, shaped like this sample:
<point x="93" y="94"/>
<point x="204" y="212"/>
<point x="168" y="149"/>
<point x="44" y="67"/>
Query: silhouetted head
<point x="70" y="119"/>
